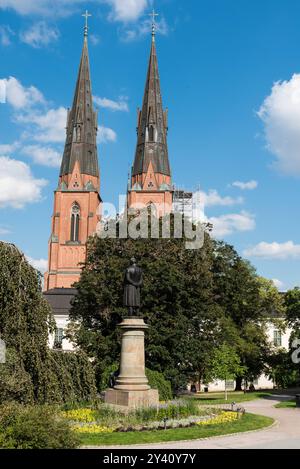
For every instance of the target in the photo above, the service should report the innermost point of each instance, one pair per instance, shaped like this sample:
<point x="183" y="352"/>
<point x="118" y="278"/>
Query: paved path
<point x="284" y="435"/>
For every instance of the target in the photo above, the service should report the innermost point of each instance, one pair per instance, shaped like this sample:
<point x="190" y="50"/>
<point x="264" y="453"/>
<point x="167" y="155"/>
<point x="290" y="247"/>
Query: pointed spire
<point x="152" y="122"/>
<point x="82" y="126"/>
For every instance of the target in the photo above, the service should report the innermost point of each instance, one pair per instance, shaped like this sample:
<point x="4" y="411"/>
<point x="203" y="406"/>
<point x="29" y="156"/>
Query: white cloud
<point x="18" y="186"/>
<point x="106" y="135"/>
<point x="39" y="264"/>
<point x="39" y="35"/>
<point x="44" y="156"/>
<point x="230" y="223"/>
<point x="7" y="149"/>
<point x="278" y="283"/>
<point x="50" y="126"/>
<point x="249" y="186"/>
<point x="41" y="7"/>
<point x="18" y="96"/>
<point x="213" y="198"/>
<point x="288" y="250"/>
<point x="6" y="34"/>
<point x="120" y="105"/>
<point x="143" y="28"/>
<point x="280" y="113"/>
<point x="126" y="10"/>
<point x="94" y="39"/>
<point x="121" y="10"/>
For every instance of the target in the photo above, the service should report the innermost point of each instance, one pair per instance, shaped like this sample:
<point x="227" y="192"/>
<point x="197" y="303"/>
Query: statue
<point x="132" y="283"/>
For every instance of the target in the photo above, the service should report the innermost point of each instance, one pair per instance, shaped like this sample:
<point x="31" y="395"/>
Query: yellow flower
<point x="94" y="428"/>
<point x="80" y="415"/>
<point x="224" y="417"/>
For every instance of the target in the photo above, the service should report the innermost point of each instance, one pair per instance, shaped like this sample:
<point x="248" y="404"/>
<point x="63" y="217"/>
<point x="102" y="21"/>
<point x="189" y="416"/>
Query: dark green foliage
<point x="33" y="373"/>
<point x="24" y="314"/>
<point x="34" y="427"/>
<point x="15" y="382"/>
<point x="70" y="379"/>
<point x="248" y="302"/>
<point x="282" y="370"/>
<point x="158" y="381"/>
<point x="193" y="301"/>
<point x="292" y="302"/>
<point x="177" y="303"/>
<point x="105" y="376"/>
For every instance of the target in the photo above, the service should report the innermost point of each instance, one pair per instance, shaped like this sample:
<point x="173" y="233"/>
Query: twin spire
<point x="82" y="125"/>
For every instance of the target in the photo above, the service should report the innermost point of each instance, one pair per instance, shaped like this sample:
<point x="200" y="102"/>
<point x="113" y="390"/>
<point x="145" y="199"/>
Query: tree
<point x="33" y="373"/>
<point x="177" y="302"/>
<point x="193" y="300"/>
<point x="292" y="303"/>
<point x="225" y="365"/>
<point x="248" y="301"/>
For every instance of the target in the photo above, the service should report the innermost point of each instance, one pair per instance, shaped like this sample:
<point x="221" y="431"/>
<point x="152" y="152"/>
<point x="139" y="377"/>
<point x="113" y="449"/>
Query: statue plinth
<point x="132" y="389"/>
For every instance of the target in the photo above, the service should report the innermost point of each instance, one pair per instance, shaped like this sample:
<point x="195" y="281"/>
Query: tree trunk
<point x="238" y="384"/>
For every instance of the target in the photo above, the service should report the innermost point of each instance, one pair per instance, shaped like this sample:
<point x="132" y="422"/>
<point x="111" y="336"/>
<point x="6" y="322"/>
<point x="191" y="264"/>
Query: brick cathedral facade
<point x="77" y="201"/>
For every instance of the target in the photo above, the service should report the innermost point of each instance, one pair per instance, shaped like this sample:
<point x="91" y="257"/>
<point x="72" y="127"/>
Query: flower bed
<point x="167" y="416"/>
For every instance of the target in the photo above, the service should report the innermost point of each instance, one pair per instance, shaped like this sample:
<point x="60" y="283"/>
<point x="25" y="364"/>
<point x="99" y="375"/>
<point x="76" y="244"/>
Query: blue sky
<point x="230" y="76"/>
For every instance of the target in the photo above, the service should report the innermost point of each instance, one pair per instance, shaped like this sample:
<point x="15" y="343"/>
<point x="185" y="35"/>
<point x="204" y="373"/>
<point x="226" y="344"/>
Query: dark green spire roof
<point x="81" y="139"/>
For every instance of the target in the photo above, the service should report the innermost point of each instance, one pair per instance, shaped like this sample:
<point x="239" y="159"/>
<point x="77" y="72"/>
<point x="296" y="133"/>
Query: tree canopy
<point x="193" y="300"/>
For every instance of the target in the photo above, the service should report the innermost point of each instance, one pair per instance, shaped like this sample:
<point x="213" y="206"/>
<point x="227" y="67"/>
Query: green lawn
<point x="247" y="423"/>
<point x="286" y="404"/>
<point x="218" y="398"/>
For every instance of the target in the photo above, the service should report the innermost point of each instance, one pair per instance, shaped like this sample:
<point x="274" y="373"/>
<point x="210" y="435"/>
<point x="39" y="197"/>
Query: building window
<point x="75" y="217"/>
<point x="151" y="133"/>
<point x="58" y="338"/>
<point x="277" y="340"/>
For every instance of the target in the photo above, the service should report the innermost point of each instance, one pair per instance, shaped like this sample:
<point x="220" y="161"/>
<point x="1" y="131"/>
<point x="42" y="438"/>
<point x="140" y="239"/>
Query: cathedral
<point x="77" y="199"/>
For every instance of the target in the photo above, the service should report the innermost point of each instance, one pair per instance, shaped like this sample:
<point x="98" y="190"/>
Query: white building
<point x="277" y="340"/>
<point x="60" y="301"/>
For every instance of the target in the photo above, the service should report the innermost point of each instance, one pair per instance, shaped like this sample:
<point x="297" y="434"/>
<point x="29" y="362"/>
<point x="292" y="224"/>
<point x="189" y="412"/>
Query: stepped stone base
<point x="132" y="399"/>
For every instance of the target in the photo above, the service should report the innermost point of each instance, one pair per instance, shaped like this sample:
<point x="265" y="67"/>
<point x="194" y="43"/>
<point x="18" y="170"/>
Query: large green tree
<point x="177" y="303"/>
<point x="248" y="302"/>
<point x="193" y="301"/>
<point x="32" y="372"/>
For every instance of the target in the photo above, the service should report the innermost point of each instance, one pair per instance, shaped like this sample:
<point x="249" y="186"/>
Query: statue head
<point x="133" y="260"/>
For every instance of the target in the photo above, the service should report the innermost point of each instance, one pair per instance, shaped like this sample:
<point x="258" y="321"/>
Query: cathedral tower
<point x="76" y="199"/>
<point x="151" y="182"/>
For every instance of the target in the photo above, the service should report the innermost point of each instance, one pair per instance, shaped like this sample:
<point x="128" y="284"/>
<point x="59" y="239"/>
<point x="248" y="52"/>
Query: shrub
<point x="33" y="373"/>
<point x="158" y="381"/>
<point x="34" y="427"/>
<point x="105" y="375"/>
<point x="15" y="382"/>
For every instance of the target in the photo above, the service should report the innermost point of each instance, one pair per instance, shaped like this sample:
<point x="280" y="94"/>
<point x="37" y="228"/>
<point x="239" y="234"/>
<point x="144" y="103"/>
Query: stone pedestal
<point x="132" y="389"/>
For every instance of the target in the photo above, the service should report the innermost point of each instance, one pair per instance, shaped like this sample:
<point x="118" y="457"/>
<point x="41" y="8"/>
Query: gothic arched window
<point x="151" y="133"/>
<point x="75" y="217"/>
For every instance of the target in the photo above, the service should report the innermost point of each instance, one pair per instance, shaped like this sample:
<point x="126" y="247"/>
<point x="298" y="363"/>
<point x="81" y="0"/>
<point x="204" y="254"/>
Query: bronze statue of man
<point x="132" y="284"/>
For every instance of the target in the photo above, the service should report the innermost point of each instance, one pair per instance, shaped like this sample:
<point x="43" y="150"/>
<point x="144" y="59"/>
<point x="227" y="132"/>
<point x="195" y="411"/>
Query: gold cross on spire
<point x="86" y="15"/>
<point x="153" y="15"/>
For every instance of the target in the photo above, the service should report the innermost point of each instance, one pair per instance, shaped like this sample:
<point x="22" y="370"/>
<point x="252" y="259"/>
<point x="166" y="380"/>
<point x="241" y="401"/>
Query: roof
<point x="81" y="139"/>
<point x="60" y="299"/>
<point x="152" y="126"/>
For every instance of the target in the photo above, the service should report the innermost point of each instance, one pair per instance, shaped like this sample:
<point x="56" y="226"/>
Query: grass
<point x="247" y="423"/>
<point x="218" y="398"/>
<point x="286" y="405"/>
